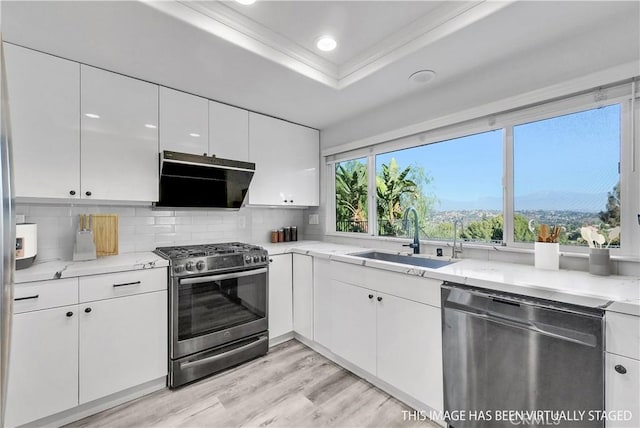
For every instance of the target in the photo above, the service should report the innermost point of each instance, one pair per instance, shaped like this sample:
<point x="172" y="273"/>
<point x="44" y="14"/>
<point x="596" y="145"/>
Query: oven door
<point x="211" y="310"/>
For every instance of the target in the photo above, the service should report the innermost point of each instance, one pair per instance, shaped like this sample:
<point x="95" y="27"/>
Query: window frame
<point x="629" y="159"/>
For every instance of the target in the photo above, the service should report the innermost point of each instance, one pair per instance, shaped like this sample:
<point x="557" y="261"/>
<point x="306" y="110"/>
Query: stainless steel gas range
<point x="218" y="298"/>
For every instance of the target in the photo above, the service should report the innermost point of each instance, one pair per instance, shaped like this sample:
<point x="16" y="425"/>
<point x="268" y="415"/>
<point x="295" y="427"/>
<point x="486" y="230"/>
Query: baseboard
<point x="280" y="339"/>
<point x="377" y="382"/>
<point x="96" y="406"/>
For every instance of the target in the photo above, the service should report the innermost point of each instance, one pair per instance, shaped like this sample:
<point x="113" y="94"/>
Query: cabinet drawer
<point x="623" y="334"/>
<point x="621" y="391"/>
<point x="349" y="273"/>
<point x="34" y="296"/>
<point x="107" y="286"/>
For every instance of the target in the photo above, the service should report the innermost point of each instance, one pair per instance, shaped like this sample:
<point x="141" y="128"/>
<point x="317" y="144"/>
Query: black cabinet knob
<point x="291" y="200"/>
<point x="621" y="369"/>
<point x="87" y="310"/>
<point x="87" y="193"/>
<point x="72" y="192"/>
<point x="379" y="299"/>
<point x="69" y="314"/>
<point x="371" y="296"/>
<point x="285" y="201"/>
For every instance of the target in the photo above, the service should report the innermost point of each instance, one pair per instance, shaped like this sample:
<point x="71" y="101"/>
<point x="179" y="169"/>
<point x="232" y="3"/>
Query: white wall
<point x="143" y="229"/>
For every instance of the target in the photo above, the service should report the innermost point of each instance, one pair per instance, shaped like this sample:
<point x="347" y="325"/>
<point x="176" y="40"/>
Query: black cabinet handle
<point x="17" y="299"/>
<point x="371" y="296"/>
<point x="69" y="314"/>
<point x="87" y="310"/>
<point x="285" y="201"/>
<point x="127" y="283"/>
<point x="291" y="200"/>
<point x="72" y="192"/>
<point x="379" y="299"/>
<point x="87" y="193"/>
<point x="621" y="369"/>
<point x="270" y="260"/>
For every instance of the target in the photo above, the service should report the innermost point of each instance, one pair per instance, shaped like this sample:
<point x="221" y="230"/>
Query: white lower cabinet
<point x="322" y="303"/>
<point x="409" y="348"/>
<point x="622" y="390"/>
<point x="81" y="349"/>
<point x="303" y="295"/>
<point x="280" y="295"/>
<point x="43" y="369"/>
<point x="122" y="343"/>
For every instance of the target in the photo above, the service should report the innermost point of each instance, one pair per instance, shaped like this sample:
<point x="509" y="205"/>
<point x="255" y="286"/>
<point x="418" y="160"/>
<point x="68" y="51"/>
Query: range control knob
<point x="263" y="258"/>
<point x="247" y="259"/>
<point x="178" y="268"/>
<point x="189" y="266"/>
<point x="256" y="259"/>
<point x="200" y="265"/>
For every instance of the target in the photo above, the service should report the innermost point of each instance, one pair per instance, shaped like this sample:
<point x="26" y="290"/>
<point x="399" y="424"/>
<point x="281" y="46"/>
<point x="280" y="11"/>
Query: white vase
<point x="547" y="255"/>
<point x="599" y="261"/>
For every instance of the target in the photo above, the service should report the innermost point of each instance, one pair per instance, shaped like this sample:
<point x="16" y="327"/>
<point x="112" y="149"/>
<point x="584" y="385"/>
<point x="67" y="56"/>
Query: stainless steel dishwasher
<point x="511" y="360"/>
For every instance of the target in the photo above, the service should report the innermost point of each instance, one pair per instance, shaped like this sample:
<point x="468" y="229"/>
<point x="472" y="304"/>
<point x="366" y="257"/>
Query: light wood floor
<point x="292" y="386"/>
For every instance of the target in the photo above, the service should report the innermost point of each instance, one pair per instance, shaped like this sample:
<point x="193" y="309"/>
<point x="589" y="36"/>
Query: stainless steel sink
<point x="404" y="259"/>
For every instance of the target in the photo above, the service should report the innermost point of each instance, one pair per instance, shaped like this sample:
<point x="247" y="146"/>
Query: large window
<point x="351" y="196"/>
<point x="569" y="164"/>
<point x="566" y="174"/>
<point x="459" y="179"/>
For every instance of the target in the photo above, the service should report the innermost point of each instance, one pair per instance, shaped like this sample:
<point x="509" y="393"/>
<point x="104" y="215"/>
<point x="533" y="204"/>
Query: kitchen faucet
<point x="454" y="250"/>
<point x="416" y="229"/>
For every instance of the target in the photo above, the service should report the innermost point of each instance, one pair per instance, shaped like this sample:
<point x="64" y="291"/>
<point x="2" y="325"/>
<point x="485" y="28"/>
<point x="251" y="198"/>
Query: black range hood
<point x="194" y="181"/>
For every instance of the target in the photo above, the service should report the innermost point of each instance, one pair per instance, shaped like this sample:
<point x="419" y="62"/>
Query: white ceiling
<point x="262" y="58"/>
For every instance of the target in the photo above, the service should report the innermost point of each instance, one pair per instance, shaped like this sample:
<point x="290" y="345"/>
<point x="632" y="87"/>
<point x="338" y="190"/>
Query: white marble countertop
<point x="616" y="293"/>
<point x="41" y="271"/>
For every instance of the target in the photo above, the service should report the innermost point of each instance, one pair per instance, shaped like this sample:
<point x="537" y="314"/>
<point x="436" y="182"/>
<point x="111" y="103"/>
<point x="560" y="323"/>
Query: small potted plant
<point x="599" y="257"/>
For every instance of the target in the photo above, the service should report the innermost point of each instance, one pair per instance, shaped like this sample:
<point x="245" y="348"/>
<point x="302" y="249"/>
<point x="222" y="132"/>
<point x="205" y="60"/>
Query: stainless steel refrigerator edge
<point x="7" y="234"/>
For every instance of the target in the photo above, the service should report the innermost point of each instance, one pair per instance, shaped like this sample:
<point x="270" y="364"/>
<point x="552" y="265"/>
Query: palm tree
<point x="351" y="195"/>
<point x="392" y="186"/>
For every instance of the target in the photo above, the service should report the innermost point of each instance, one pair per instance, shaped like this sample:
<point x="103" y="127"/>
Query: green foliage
<point x="611" y="215"/>
<point x="351" y="196"/>
<point x="393" y="190"/>
<point x="487" y="229"/>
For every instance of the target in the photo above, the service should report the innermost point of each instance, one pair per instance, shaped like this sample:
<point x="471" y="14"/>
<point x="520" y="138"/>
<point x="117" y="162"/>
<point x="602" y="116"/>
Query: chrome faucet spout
<point x="416" y="229"/>
<point x="455" y="251"/>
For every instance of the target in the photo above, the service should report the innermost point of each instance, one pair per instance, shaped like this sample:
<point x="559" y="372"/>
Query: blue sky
<point x="575" y="155"/>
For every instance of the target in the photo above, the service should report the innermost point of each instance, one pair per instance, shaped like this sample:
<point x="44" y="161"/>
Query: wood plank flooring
<point x="292" y="386"/>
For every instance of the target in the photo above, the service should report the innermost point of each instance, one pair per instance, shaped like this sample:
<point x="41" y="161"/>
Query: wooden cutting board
<point x="105" y="234"/>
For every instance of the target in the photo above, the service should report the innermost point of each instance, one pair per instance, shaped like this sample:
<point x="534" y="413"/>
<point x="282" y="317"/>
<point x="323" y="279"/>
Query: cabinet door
<point x="622" y="390"/>
<point x="43" y="369"/>
<point x="228" y="132"/>
<point x="322" y="303"/>
<point x="354" y="322"/>
<point x="184" y="122"/>
<point x="44" y="95"/>
<point x="280" y="296"/>
<point x="287" y="158"/>
<point x="410" y="348"/>
<point x="303" y="295"/>
<point x="123" y="343"/>
<point x="119" y="137"/>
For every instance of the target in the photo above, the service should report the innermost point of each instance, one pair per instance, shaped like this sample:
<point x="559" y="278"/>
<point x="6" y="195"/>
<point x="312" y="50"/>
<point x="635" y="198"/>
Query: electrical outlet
<point x="20" y="218"/>
<point x="314" y="219"/>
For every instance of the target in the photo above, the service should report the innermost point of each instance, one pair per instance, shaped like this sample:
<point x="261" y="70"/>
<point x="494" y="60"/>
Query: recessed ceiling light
<point x="92" y="115"/>
<point x="421" y="77"/>
<point x="326" y="43"/>
<point x="246" y="2"/>
<point x="150" y="126"/>
<point x="193" y="134"/>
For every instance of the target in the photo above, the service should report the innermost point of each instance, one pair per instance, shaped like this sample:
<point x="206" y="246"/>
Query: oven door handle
<point x="223" y="355"/>
<point x="222" y="277"/>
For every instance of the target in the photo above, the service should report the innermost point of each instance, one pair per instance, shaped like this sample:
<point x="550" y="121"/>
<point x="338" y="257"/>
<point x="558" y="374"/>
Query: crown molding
<point x="222" y="21"/>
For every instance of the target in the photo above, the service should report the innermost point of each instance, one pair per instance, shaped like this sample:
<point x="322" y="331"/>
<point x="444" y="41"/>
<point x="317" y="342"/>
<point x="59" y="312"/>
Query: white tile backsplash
<point x="143" y="228"/>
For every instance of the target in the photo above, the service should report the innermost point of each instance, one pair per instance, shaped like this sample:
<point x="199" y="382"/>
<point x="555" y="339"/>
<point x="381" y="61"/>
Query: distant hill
<point x="585" y="202"/>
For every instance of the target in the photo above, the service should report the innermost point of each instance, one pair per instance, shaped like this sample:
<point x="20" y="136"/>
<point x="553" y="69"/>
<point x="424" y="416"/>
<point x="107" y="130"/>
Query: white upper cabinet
<point x="287" y="161"/>
<point x="228" y="132"/>
<point x="184" y="122"/>
<point x="119" y="135"/>
<point x="44" y="96"/>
